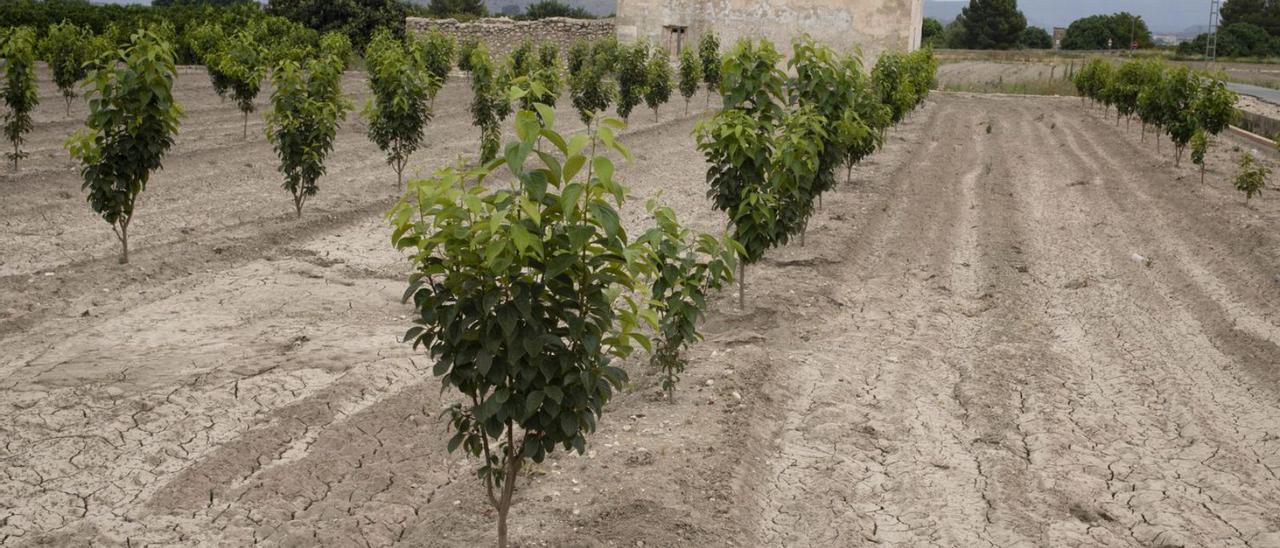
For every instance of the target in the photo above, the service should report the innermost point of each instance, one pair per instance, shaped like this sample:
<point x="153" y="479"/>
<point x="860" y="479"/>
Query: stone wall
<point x="872" y="25"/>
<point x="501" y="35"/>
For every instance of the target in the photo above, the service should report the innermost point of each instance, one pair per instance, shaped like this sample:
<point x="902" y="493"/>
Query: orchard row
<point x="1190" y="107"/>
<point x="528" y="293"/>
<point x="527" y="289"/>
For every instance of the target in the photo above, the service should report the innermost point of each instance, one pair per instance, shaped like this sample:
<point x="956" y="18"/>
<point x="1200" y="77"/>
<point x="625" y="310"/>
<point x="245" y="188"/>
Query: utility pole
<point x="1215" y="20"/>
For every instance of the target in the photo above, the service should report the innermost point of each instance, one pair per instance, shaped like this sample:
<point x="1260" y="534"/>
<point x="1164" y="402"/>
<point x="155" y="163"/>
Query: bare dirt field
<point x="966" y="352"/>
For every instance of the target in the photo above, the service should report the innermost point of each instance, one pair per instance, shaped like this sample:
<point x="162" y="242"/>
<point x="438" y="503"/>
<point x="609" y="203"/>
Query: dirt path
<point x="965" y="353"/>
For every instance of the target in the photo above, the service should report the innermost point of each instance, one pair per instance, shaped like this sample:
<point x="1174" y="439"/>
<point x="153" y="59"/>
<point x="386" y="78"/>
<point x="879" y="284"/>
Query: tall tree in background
<point x="1035" y="38"/>
<point x="1107" y="32"/>
<point x="1263" y="13"/>
<point x="931" y="32"/>
<point x="450" y="8"/>
<point x="358" y="19"/>
<point x="992" y="24"/>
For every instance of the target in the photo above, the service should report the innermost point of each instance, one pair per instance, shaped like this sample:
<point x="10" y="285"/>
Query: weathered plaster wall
<point x="501" y="35"/>
<point x="873" y="25"/>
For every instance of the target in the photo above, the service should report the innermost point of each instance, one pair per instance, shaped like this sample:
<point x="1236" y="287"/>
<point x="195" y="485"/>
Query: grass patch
<point x="1037" y="87"/>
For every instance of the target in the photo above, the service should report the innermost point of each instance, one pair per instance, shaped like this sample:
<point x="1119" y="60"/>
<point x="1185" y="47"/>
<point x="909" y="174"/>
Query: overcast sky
<point x="1162" y="16"/>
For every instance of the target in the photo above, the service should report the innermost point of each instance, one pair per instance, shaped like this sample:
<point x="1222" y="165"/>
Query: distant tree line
<point x="986" y="24"/>
<point x="1250" y="28"/>
<point x="998" y="24"/>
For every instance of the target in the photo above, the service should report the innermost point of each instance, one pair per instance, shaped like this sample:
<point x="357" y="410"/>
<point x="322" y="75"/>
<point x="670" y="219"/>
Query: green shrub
<point x="18" y="60"/>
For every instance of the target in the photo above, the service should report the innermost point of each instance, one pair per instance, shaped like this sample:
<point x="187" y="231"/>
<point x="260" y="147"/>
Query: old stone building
<point x="873" y="25"/>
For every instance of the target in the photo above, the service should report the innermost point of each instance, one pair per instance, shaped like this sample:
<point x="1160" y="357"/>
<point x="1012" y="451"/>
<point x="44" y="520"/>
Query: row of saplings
<point x="1190" y="106"/>
<point x="528" y="290"/>
<point x="308" y="104"/>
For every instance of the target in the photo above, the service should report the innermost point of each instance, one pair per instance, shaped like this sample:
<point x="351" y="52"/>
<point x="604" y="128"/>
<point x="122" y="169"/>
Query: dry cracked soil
<point x="1017" y="325"/>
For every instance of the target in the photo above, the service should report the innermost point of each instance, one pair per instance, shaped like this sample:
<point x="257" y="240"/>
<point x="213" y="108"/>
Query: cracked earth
<point x="964" y="353"/>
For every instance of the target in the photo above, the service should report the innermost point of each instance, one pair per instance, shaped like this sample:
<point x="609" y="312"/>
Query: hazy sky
<point x="1160" y="15"/>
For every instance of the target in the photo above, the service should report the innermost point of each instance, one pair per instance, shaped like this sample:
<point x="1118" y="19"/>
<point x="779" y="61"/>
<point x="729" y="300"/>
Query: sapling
<point x="1214" y="107"/>
<point x="590" y="89"/>
<point x="523" y="59"/>
<point x="465" y="47"/>
<point x="489" y="102"/>
<point x="399" y="111"/>
<point x="632" y="77"/>
<point x="434" y="52"/>
<point x="337" y="46"/>
<point x="243" y="62"/>
<point x="1199" y="148"/>
<point x="18" y="61"/>
<point x="207" y="41"/>
<point x="523" y="297"/>
<point x="763" y="159"/>
<point x="1251" y="177"/>
<point x="1177" y="94"/>
<point x="690" y="76"/>
<point x="131" y="125"/>
<point x="709" y="57"/>
<point x="685" y="271"/>
<point x="307" y="107"/>
<point x="578" y="55"/>
<point x="548" y="74"/>
<point x="66" y="49"/>
<point x="657" y="81"/>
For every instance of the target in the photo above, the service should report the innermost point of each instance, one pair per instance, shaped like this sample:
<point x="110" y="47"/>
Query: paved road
<point x="1266" y="94"/>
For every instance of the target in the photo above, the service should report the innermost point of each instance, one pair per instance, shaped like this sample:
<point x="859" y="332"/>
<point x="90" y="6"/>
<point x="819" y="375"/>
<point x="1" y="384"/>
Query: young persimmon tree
<point x="632" y="77"/>
<point x="893" y="84"/>
<point x="823" y="82"/>
<point x="1177" y="94"/>
<point x="66" y="48"/>
<point x="686" y="270"/>
<point x="131" y="125"/>
<point x="763" y="159"/>
<point x="207" y="40"/>
<point x="490" y="103"/>
<point x="399" y="111"/>
<point x="590" y="88"/>
<point x="1251" y="177"/>
<point x="869" y="111"/>
<point x="1215" y="110"/>
<point x="690" y="76"/>
<point x="1151" y="106"/>
<point x="337" y="46"/>
<point x="18" y="61"/>
<point x="657" y="81"/>
<point x="465" y="47"/>
<point x="548" y="74"/>
<point x="1199" y="150"/>
<point x="709" y="57"/>
<point x="434" y="52"/>
<point x="523" y="296"/>
<point x="306" y="110"/>
<point x="243" y="63"/>
<point x="579" y="54"/>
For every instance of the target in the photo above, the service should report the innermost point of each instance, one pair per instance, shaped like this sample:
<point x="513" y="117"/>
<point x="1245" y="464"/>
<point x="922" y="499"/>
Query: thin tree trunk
<point x="124" y="242"/>
<point x="848" y="172"/>
<point x="742" y="284"/>
<point x="15" y="156"/>
<point x="686" y="106"/>
<point x="245" y="134"/>
<point x="508" y="489"/>
<point x="68" y="107"/>
<point x="1202" y="165"/>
